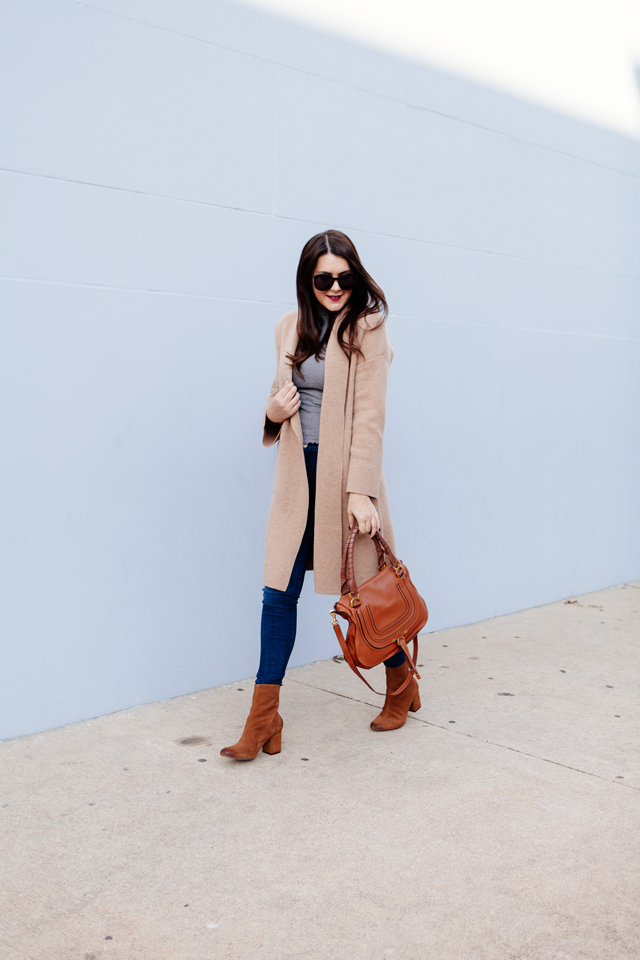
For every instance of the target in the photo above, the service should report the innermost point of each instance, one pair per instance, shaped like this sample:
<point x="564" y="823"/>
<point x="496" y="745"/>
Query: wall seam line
<point x="290" y="305"/>
<point x="311" y="222"/>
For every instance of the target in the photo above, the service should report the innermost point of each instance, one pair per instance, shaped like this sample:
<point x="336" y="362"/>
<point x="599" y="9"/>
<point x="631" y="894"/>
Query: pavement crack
<point x="472" y="736"/>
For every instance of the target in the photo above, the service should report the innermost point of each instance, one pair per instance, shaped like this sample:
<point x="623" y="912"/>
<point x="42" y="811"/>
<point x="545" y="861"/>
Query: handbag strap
<point x="347" y="574"/>
<point x="402" y="643"/>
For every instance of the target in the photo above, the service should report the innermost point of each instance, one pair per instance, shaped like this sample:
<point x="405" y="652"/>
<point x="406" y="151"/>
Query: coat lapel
<point x="336" y="375"/>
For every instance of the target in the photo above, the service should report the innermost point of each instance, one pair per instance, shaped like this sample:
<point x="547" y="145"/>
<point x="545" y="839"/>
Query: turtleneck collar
<point x="323" y="315"/>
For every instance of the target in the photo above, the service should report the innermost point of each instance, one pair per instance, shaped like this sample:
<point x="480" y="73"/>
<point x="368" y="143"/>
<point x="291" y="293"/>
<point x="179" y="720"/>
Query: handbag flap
<point x="386" y="607"/>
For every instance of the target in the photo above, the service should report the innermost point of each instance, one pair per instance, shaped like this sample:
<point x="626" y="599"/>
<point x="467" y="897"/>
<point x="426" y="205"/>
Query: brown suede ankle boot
<point x="395" y="710"/>
<point x="263" y="727"/>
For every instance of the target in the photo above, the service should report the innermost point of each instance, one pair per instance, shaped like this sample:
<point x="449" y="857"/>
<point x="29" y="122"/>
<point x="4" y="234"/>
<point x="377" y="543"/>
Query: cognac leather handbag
<point x="384" y="614"/>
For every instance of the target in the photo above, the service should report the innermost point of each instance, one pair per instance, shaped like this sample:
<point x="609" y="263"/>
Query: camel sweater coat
<point x="349" y="458"/>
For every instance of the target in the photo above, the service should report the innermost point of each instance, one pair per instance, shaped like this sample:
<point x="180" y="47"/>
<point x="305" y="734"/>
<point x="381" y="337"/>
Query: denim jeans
<point x="280" y="607"/>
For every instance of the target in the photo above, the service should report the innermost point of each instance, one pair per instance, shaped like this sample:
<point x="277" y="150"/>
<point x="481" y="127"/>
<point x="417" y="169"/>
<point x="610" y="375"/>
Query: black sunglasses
<point x="324" y="281"/>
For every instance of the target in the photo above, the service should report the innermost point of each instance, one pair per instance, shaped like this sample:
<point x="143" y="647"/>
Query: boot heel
<point x="274" y="744"/>
<point x="416" y="703"/>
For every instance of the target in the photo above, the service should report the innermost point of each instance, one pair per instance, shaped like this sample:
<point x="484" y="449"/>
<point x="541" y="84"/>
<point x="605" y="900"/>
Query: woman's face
<point x="333" y="299"/>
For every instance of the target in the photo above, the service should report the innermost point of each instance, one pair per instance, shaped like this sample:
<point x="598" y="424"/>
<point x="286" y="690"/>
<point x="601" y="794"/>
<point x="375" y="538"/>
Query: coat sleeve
<point x="271" y="431"/>
<point x="369" y="401"/>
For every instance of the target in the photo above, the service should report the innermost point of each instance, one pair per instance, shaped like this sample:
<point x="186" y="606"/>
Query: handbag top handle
<point x="347" y="574"/>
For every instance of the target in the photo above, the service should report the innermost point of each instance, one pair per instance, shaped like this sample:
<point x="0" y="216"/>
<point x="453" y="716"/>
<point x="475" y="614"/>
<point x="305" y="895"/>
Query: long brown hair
<point x="366" y="297"/>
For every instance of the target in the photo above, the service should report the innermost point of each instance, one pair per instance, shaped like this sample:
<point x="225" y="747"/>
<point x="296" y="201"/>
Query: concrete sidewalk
<point x="500" y="822"/>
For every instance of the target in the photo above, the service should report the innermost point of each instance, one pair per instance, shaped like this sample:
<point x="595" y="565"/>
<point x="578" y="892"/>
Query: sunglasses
<point x="324" y="281"/>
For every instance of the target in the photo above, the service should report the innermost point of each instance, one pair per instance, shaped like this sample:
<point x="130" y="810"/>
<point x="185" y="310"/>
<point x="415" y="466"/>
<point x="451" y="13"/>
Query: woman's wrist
<point x="270" y="418"/>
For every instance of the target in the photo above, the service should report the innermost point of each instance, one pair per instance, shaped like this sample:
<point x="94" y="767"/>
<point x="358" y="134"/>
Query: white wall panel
<point x="478" y="187"/>
<point x="203" y="249"/>
<point x="235" y="26"/>
<point x="452" y="283"/>
<point x="54" y="230"/>
<point x="436" y="91"/>
<point x="138" y="505"/>
<point x="570" y="442"/>
<point x="164" y="165"/>
<point x="70" y="77"/>
<point x="101" y="99"/>
<point x="443" y="461"/>
<point x="346" y="164"/>
<point x="205" y="122"/>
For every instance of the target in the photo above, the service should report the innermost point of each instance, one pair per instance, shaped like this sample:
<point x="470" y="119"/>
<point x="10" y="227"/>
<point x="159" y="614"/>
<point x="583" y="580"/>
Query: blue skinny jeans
<point x="280" y="607"/>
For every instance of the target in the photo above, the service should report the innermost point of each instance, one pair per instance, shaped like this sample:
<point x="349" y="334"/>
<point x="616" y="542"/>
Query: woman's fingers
<point x="288" y="399"/>
<point x="361" y="520"/>
<point x="368" y="523"/>
<point x="284" y="403"/>
<point x="363" y="514"/>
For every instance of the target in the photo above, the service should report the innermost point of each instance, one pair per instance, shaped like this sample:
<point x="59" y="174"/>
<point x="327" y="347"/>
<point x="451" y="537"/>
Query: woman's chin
<point x="334" y="305"/>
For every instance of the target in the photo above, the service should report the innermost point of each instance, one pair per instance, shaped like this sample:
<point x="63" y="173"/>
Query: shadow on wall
<point x="166" y="165"/>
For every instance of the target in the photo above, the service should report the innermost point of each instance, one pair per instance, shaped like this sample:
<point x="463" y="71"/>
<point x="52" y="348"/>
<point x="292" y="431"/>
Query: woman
<point x="326" y="410"/>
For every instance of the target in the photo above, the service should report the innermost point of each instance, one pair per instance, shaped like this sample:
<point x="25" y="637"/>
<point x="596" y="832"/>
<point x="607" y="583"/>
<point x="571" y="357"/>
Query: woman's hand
<point x="284" y="404"/>
<point x="363" y="513"/>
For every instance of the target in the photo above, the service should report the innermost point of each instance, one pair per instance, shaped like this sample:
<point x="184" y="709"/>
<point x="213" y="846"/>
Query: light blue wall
<point x="162" y="164"/>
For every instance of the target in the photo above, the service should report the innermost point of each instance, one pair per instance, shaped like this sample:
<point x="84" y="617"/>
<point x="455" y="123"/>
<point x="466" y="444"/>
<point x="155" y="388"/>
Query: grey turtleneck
<point x="311" y="384"/>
